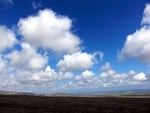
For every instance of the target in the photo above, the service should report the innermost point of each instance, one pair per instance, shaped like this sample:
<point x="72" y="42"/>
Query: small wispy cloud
<point x="36" y="4"/>
<point x="7" y="2"/>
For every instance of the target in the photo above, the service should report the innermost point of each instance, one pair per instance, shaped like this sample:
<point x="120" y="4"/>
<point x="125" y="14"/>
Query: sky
<point x="74" y="46"/>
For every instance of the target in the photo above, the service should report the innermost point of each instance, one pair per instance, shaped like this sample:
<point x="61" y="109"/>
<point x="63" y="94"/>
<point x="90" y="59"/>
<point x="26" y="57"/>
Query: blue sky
<point x="72" y="45"/>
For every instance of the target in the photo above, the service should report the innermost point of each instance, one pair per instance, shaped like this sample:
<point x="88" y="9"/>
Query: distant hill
<point x="100" y="93"/>
<point x="15" y="93"/>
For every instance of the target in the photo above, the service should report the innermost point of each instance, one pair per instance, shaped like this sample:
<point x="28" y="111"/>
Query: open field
<point x="45" y="104"/>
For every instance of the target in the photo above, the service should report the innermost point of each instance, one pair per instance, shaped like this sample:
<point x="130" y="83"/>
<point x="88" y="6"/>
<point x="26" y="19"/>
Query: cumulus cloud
<point x="49" y="30"/>
<point x="68" y="85"/>
<point x="114" y="77"/>
<point x="137" y="45"/>
<point x="103" y="74"/>
<point x="46" y="79"/>
<point x="87" y="79"/>
<point x="108" y="73"/>
<point x="76" y="61"/>
<point x="43" y="79"/>
<point x="68" y="75"/>
<point x="7" y="38"/>
<point x="108" y="77"/>
<point x="65" y="75"/>
<point x="106" y="70"/>
<point x="87" y="74"/>
<point x="25" y="68"/>
<point x="78" y="77"/>
<point x="140" y="77"/>
<point x="27" y="58"/>
<point x="44" y="76"/>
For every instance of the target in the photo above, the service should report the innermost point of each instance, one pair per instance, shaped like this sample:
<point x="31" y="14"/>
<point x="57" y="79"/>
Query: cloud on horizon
<point x="6" y="4"/>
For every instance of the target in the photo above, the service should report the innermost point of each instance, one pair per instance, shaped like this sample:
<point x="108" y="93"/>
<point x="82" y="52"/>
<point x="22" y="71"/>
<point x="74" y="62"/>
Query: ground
<point x="44" y="104"/>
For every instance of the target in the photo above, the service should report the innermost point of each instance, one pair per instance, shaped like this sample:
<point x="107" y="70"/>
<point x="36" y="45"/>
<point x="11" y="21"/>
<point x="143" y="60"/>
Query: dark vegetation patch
<point x="41" y="104"/>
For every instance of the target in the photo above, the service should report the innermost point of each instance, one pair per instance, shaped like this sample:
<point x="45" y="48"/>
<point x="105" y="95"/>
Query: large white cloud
<point x="49" y="31"/>
<point x="7" y="38"/>
<point x="76" y="61"/>
<point x="27" y="58"/>
<point x="137" y="45"/>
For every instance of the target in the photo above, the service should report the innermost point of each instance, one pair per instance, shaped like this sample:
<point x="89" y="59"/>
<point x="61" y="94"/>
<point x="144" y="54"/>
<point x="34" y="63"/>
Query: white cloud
<point x="68" y="75"/>
<point x="140" y="77"/>
<point x="114" y="78"/>
<point x="87" y="74"/>
<point x="27" y="58"/>
<point x="28" y="79"/>
<point x="137" y="45"/>
<point x="141" y="49"/>
<point x="44" y="76"/>
<point x="76" y="61"/>
<point x="68" y="85"/>
<point x="120" y="77"/>
<point x="26" y="68"/>
<point x="132" y="72"/>
<point x="111" y="72"/>
<point x="45" y="79"/>
<point x="105" y="67"/>
<point x="65" y="75"/>
<point x="103" y="74"/>
<point x="87" y="79"/>
<point x="146" y="15"/>
<point x="7" y="38"/>
<point x="49" y="30"/>
<point x="2" y="65"/>
<point x="108" y="73"/>
<point x="78" y="77"/>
